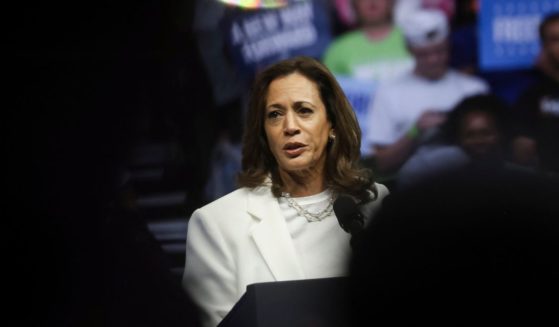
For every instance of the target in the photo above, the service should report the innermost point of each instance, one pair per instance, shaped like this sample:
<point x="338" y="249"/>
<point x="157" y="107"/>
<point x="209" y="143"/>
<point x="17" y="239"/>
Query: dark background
<point x="83" y="79"/>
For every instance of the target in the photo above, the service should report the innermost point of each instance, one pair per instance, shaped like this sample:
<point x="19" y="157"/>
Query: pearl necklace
<point x="305" y="213"/>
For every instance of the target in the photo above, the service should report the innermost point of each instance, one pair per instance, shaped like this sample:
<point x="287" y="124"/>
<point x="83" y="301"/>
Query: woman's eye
<point x="305" y="111"/>
<point x="273" y="114"/>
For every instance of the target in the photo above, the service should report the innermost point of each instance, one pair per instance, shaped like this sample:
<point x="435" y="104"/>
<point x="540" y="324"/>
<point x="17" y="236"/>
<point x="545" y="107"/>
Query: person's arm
<point x="389" y="158"/>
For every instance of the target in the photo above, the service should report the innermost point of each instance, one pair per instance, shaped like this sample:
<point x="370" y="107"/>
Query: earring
<point x="332" y="136"/>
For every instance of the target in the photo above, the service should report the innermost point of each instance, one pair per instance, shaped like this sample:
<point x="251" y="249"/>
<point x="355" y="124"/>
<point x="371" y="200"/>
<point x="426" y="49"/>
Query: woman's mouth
<point x="293" y="149"/>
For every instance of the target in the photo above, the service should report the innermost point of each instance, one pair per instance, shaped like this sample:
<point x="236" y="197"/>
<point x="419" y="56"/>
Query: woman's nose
<point x="290" y="126"/>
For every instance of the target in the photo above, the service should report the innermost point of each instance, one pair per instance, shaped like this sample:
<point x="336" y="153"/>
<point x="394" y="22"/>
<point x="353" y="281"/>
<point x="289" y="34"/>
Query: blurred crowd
<point x="411" y="69"/>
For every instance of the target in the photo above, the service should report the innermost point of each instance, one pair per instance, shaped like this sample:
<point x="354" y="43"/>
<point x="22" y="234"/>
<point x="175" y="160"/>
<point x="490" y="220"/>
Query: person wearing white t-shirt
<point x="407" y="110"/>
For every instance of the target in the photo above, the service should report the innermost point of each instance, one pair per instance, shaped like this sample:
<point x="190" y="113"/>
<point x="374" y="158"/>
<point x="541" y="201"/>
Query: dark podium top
<point x="300" y="303"/>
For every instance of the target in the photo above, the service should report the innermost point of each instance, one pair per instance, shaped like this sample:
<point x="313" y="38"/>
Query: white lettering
<point x="516" y="28"/>
<point x="300" y="37"/>
<point x="252" y="27"/>
<point x="270" y="21"/>
<point x="298" y="14"/>
<point x="237" y="34"/>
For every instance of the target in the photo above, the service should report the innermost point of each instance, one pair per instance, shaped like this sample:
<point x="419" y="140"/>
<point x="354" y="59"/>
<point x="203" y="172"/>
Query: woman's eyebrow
<point x="299" y="104"/>
<point x="275" y="106"/>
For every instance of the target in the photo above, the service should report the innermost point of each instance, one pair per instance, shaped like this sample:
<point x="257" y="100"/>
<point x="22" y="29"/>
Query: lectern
<point x="302" y="303"/>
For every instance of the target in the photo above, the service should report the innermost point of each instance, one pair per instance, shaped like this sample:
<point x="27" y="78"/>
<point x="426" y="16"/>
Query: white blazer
<point x="237" y="240"/>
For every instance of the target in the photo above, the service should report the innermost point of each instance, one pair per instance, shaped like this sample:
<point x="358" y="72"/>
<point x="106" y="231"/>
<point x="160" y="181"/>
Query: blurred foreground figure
<point x="476" y="247"/>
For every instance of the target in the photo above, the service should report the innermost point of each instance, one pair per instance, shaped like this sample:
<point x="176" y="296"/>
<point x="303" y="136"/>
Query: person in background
<point x="375" y="50"/>
<point x="405" y="7"/>
<point x="476" y="133"/>
<point x="408" y="109"/>
<point x="479" y="126"/>
<point x="366" y="55"/>
<point x="300" y="150"/>
<point x="537" y="109"/>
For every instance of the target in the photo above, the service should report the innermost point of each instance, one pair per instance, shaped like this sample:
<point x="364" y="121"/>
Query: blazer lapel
<point x="272" y="236"/>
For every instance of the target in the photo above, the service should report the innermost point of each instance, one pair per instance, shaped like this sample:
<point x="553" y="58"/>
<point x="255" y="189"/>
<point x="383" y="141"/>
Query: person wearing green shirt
<point x="376" y="50"/>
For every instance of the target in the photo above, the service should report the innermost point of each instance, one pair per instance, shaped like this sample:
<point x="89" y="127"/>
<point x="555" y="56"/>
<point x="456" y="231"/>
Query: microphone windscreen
<point x="344" y="207"/>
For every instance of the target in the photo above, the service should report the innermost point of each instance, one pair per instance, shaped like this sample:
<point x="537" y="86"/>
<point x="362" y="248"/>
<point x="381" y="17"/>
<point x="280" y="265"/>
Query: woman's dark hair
<point x="343" y="172"/>
<point x="486" y="103"/>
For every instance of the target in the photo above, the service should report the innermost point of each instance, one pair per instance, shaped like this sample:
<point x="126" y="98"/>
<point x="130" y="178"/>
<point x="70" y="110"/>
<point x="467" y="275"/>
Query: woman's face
<point x="296" y="124"/>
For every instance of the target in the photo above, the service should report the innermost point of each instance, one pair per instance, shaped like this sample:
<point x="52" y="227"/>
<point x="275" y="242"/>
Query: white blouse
<point x="313" y="239"/>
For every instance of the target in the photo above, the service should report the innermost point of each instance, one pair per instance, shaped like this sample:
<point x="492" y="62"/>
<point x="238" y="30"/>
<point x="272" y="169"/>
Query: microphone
<point x="349" y="216"/>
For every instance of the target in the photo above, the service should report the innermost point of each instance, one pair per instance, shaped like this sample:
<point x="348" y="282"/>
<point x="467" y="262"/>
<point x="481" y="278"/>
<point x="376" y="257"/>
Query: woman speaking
<point x="300" y="150"/>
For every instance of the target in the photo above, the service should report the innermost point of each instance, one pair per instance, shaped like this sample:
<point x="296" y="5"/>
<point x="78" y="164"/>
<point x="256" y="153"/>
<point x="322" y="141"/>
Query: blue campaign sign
<point x="508" y="32"/>
<point x="360" y="94"/>
<point x="257" y="38"/>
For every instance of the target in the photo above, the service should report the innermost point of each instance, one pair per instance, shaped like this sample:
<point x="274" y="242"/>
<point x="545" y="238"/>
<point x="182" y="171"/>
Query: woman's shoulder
<point x="229" y="200"/>
<point x="219" y="211"/>
<point x="236" y="200"/>
<point x="370" y="208"/>
<point x="376" y="192"/>
<point x="382" y="190"/>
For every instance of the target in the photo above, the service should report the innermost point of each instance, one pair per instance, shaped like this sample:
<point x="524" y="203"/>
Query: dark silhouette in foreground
<point x="475" y="247"/>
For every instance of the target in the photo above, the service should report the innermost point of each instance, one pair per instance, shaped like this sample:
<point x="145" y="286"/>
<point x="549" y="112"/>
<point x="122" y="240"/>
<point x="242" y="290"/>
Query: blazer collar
<point x="272" y="236"/>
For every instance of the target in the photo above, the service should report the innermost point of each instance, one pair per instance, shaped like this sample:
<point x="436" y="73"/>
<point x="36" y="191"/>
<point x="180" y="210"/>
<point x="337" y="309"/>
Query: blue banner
<point x="508" y="32"/>
<point x="360" y="94"/>
<point x="258" y="38"/>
